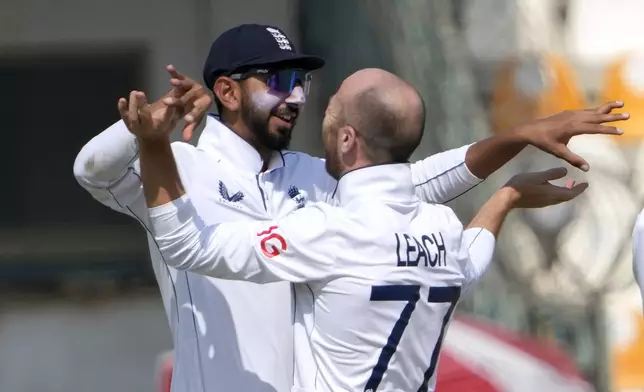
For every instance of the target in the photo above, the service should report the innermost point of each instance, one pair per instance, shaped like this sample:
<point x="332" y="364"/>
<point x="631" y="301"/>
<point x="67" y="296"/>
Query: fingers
<point x="196" y="115"/>
<point x="182" y="84"/>
<point x="595" y="129"/>
<point x="141" y="103"/>
<point x="174" y="73"/>
<point x="188" y="131"/>
<point x="612" y="117"/>
<point x="574" y="159"/>
<point x="551" y="174"/>
<point x="578" y="189"/>
<point x="199" y="110"/>
<point x="562" y="152"/>
<point x="196" y="101"/>
<point x="122" y="106"/>
<point x="609" y="107"/>
<point x="133" y="112"/>
<point x="186" y="97"/>
<point x="560" y="194"/>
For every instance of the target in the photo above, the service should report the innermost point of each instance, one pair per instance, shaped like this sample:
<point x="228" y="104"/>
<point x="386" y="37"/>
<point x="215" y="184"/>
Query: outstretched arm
<point x="292" y="249"/>
<point x="526" y="190"/>
<point x="445" y="176"/>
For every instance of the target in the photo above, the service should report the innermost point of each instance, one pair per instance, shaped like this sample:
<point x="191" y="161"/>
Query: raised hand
<point x="552" y="134"/>
<point x="189" y="98"/>
<point x="144" y="121"/>
<point x="534" y="190"/>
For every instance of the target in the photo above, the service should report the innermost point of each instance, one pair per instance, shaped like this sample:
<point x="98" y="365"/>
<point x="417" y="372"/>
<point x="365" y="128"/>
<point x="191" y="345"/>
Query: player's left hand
<point x="189" y="98"/>
<point x="552" y="134"/>
<point x="534" y="190"/>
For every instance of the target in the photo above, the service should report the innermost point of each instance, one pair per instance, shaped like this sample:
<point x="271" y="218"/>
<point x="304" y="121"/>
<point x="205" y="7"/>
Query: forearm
<point x="184" y="240"/>
<point x="492" y="215"/>
<point x="480" y="245"/>
<point x="489" y="155"/>
<point x="443" y="177"/>
<point x="223" y="251"/>
<point x="480" y="236"/>
<point x="159" y="173"/>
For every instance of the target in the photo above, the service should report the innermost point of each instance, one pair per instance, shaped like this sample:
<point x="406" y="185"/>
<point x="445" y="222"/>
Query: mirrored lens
<point x="285" y="81"/>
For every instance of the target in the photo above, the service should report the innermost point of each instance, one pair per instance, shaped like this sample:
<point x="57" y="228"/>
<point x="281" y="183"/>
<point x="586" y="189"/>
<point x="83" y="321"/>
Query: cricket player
<point x="378" y="277"/>
<point x="231" y="335"/>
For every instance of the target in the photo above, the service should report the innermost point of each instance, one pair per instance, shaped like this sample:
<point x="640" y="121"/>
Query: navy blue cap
<point x="254" y="46"/>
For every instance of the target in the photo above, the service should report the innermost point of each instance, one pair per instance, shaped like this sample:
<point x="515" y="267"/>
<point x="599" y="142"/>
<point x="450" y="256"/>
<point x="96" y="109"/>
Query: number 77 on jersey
<point x="410" y="294"/>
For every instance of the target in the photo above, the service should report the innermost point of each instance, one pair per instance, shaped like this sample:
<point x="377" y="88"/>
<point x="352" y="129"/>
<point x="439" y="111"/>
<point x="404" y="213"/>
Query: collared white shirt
<point x="383" y="271"/>
<point x="233" y="335"/>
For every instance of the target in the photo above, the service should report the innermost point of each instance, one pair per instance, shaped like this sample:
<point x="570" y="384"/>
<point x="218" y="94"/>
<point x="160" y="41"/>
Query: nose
<point x="297" y="97"/>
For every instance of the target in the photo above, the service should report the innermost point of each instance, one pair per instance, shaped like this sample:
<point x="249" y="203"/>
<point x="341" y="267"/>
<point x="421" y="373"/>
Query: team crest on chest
<point x="297" y="196"/>
<point x="227" y="198"/>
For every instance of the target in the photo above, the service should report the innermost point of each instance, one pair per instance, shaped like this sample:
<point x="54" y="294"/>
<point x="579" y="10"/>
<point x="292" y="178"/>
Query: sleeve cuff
<point x="470" y="178"/>
<point x="170" y="217"/>
<point x="480" y="243"/>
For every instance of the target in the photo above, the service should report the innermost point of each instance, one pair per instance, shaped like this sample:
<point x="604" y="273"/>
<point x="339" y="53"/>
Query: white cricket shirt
<point x="383" y="272"/>
<point x="231" y="335"/>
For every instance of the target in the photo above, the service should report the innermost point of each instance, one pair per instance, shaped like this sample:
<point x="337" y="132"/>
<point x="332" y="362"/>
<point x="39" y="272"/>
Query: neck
<point x="361" y="164"/>
<point x="386" y="182"/>
<point x="244" y="132"/>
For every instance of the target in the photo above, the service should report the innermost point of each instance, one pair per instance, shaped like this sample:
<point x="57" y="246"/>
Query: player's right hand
<point x="534" y="190"/>
<point x="146" y="123"/>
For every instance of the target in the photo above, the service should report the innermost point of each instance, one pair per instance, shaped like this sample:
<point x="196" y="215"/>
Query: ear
<point x="347" y="139"/>
<point x="228" y="93"/>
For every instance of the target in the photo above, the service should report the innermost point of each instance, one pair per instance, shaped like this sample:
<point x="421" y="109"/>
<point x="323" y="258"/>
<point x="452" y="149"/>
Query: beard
<point x="331" y="158"/>
<point x="257" y="121"/>
<point x="332" y="167"/>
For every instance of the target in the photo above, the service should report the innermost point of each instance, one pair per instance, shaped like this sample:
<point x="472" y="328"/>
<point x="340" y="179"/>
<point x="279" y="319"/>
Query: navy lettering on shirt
<point x="428" y="251"/>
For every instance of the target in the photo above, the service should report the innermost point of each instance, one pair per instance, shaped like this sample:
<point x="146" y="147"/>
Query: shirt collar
<point x="227" y="145"/>
<point x="390" y="182"/>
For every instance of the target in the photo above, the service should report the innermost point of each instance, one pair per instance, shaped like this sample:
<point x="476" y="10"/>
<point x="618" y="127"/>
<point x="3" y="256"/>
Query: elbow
<point x="183" y="239"/>
<point x="176" y="255"/>
<point x="82" y="168"/>
<point x="87" y="170"/>
<point x="182" y="253"/>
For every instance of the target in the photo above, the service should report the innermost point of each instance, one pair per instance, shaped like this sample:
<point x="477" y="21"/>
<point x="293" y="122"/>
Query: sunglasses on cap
<point x="282" y="81"/>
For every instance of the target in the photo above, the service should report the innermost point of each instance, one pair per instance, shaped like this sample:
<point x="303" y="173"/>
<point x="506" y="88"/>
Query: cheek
<point x="264" y="102"/>
<point x="331" y="148"/>
<point x="326" y="140"/>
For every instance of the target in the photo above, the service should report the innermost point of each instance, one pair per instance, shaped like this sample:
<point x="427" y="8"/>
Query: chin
<point x="279" y="141"/>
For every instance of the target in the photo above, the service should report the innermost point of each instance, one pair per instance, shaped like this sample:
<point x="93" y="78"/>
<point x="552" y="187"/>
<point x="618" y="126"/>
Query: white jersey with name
<point x="377" y="277"/>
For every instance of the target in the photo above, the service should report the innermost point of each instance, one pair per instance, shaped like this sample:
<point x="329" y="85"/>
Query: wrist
<point x="507" y="197"/>
<point x="520" y="134"/>
<point x="154" y="144"/>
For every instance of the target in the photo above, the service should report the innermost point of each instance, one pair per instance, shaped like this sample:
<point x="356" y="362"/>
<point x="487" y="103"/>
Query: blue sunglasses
<point x="283" y="81"/>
